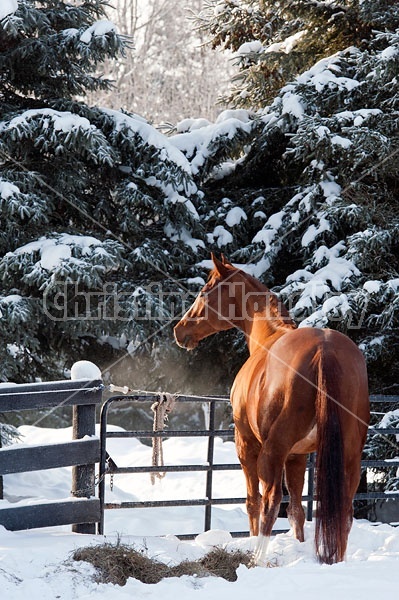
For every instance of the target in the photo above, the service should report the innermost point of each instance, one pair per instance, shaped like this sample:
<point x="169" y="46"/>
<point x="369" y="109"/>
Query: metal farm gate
<point x="109" y="467"/>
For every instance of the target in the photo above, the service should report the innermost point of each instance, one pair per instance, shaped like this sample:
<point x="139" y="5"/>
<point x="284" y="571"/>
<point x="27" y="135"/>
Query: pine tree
<point x="318" y="182"/>
<point x="274" y="41"/>
<point x="95" y="204"/>
<point x="302" y="191"/>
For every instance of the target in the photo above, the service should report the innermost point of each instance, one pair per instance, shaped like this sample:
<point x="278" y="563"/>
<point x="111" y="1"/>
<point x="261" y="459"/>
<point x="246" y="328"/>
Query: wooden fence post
<point x="83" y="476"/>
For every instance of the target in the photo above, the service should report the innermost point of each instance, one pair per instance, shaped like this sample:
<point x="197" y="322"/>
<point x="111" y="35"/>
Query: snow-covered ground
<point x="37" y="564"/>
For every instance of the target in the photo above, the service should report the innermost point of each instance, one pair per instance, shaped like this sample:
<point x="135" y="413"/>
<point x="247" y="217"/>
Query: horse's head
<point x="211" y="310"/>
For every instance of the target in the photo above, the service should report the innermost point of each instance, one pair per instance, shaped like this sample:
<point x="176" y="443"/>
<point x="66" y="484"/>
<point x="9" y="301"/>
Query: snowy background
<point x="38" y="564"/>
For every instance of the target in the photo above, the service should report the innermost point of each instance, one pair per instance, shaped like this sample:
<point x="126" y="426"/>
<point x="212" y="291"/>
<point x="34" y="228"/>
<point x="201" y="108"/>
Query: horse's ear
<point x="220" y="266"/>
<point x="225" y="261"/>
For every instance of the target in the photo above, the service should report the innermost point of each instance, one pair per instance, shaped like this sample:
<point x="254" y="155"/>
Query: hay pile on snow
<point x="115" y="563"/>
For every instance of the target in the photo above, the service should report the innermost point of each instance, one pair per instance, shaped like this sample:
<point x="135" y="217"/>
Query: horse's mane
<point x="279" y="312"/>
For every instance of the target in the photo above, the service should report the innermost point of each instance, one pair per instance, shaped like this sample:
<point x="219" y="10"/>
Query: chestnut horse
<point x="300" y="390"/>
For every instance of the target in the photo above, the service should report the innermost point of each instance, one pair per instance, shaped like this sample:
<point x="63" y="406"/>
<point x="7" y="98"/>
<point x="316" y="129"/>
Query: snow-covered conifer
<point x="95" y="203"/>
<point x="318" y="181"/>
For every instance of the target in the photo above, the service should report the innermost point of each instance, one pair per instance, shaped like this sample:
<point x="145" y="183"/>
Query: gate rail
<point x="108" y="466"/>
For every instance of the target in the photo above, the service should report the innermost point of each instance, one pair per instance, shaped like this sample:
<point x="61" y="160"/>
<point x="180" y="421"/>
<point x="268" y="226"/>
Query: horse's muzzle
<point x="183" y="339"/>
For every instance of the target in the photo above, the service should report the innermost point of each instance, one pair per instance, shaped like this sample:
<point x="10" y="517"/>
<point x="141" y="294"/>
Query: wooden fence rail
<point x="82" y="510"/>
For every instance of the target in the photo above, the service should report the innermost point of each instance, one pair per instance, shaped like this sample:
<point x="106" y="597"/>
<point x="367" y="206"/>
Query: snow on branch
<point x="63" y="257"/>
<point x="208" y="145"/>
<point x="58" y="132"/>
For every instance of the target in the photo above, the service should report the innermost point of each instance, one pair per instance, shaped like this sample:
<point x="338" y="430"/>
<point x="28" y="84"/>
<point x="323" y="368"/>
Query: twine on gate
<point x="161" y="409"/>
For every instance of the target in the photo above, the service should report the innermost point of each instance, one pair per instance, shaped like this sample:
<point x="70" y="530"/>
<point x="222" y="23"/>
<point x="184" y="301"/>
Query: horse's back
<point x="294" y="357"/>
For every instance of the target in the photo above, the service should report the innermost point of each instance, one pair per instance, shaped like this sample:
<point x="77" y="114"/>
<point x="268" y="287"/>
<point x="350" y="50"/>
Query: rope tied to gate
<point x="161" y="409"/>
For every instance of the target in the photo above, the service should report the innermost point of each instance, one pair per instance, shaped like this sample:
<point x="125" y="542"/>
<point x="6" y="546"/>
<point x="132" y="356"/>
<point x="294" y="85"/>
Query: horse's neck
<point x="266" y="319"/>
<point x="262" y="334"/>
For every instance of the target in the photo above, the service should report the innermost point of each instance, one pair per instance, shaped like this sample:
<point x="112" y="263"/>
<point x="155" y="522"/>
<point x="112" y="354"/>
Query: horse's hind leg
<point x="270" y="470"/>
<point x="295" y="467"/>
<point x="248" y="451"/>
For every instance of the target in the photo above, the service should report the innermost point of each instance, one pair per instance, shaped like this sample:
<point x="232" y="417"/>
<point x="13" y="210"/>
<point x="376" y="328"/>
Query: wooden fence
<point x="82" y="509"/>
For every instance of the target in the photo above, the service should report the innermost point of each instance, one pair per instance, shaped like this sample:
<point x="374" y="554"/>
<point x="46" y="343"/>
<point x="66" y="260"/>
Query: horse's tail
<point x="331" y="519"/>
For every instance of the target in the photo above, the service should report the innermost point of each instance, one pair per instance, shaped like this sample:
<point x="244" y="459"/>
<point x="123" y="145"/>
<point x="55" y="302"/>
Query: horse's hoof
<point x="260" y="562"/>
